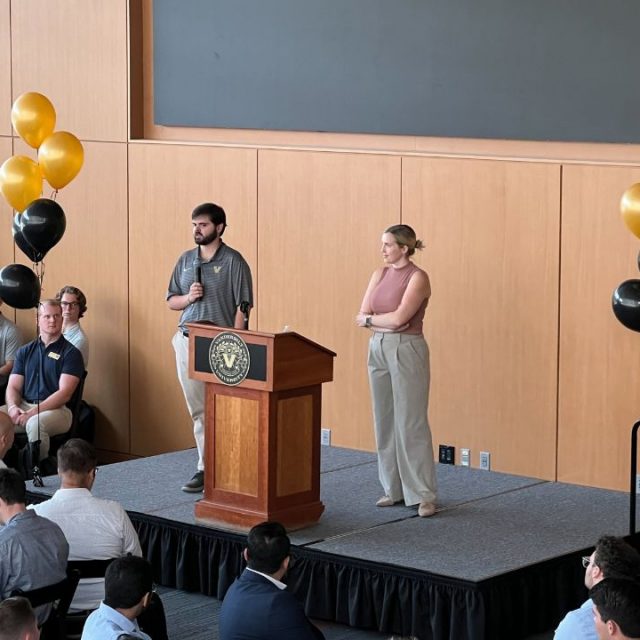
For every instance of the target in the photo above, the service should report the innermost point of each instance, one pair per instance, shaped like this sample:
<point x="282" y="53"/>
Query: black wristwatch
<point x="367" y="321"/>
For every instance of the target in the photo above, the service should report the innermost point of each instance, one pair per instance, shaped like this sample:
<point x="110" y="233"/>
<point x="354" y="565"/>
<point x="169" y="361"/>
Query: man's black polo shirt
<point x="42" y="367"/>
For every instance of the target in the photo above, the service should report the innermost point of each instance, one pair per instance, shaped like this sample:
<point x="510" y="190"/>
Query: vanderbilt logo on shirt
<point x="216" y="269"/>
<point x="229" y="358"/>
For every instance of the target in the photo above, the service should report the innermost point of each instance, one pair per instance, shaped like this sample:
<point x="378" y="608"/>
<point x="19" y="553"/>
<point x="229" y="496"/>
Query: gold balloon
<point x="60" y="158"/>
<point x="33" y="117"/>
<point x="630" y="208"/>
<point x="20" y="181"/>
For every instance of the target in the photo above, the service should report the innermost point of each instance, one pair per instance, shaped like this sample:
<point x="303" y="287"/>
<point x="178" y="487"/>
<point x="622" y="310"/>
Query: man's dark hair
<point x="77" y="456"/>
<point x="74" y="291"/>
<point x="616" y="558"/>
<point x="12" y="487"/>
<point x="619" y="600"/>
<point x="126" y="581"/>
<point x="16" y="618"/>
<point x="214" y="212"/>
<point x="267" y="546"/>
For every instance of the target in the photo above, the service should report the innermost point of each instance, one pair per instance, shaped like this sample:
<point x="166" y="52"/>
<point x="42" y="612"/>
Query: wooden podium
<point x="262" y="433"/>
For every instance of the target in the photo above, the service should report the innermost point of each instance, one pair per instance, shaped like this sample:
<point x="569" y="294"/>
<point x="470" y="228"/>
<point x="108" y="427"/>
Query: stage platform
<point x="500" y="559"/>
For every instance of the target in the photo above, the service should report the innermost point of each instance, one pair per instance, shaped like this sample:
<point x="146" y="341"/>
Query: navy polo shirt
<point x="42" y="367"/>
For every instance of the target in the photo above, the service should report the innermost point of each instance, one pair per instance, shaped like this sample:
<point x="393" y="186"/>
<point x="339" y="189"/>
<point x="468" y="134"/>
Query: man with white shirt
<point x="96" y="529"/>
<point x="74" y="306"/>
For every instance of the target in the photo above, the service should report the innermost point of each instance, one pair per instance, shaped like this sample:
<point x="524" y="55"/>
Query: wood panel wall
<point x="524" y="246"/>
<point x="5" y="67"/>
<point x="491" y="230"/>
<point x="165" y="184"/>
<point x="319" y="225"/>
<point x="74" y="52"/>
<point x="599" y="365"/>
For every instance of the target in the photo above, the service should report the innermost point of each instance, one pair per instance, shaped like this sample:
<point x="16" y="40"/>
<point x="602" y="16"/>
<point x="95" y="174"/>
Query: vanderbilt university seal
<point x="229" y="358"/>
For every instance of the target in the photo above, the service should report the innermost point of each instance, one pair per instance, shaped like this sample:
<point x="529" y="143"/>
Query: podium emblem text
<point x="229" y="358"/>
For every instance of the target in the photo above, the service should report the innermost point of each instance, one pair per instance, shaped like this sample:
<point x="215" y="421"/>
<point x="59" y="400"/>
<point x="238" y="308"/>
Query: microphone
<point x="244" y="309"/>
<point x="197" y="267"/>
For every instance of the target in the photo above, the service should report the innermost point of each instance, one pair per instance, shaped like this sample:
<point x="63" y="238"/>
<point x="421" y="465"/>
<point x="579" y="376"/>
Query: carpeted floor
<point x="194" y="616"/>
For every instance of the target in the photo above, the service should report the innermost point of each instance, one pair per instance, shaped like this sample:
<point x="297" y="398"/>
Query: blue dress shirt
<point x="578" y="624"/>
<point x="106" y="623"/>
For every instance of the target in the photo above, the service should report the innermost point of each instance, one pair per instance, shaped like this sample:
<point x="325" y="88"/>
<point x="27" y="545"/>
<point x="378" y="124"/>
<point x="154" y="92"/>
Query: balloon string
<point x="38" y="268"/>
<point x="54" y="193"/>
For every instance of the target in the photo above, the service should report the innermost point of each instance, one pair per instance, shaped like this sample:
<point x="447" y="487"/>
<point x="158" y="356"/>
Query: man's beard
<point x="205" y="240"/>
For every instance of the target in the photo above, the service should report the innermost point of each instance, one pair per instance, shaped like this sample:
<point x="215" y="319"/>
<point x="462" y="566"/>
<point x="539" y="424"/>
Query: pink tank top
<point x="387" y="295"/>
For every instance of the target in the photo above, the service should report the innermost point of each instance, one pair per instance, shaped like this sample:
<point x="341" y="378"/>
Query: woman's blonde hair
<point x="405" y="236"/>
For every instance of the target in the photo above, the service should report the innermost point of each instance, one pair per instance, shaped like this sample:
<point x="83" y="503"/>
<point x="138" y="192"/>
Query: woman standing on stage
<point x="393" y="309"/>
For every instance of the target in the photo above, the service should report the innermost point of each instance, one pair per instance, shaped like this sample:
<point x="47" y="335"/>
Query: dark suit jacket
<point x="255" y="609"/>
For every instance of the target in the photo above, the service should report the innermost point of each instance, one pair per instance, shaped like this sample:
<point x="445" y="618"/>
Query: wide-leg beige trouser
<point x="398" y="366"/>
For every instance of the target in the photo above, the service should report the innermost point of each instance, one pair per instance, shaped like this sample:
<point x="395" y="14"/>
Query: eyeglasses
<point x="586" y="561"/>
<point x="69" y="304"/>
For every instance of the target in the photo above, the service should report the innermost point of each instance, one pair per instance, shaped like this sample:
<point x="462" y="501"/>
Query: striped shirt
<point x="226" y="280"/>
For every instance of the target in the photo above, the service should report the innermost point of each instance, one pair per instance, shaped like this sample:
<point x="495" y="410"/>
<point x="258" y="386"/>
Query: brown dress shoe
<point x="426" y="509"/>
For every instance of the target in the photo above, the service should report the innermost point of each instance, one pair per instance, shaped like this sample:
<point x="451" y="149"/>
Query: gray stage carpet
<point x="487" y="523"/>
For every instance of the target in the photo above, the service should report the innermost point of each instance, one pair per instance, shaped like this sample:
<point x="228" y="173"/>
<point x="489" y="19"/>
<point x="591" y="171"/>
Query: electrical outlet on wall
<point x="465" y="457"/>
<point x="485" y="460"/>
<point x="325" y="437"/>
<point x="446" y="454"/>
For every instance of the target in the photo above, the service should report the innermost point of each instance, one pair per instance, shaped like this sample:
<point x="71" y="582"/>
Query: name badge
<point x="55" y="356"/>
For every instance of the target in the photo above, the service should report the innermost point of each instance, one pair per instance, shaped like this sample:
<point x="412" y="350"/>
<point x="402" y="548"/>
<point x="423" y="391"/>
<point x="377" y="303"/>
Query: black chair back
<point x="90" y="568"/>
<point x="85" y="569"/>
<point x="59" y="596"/>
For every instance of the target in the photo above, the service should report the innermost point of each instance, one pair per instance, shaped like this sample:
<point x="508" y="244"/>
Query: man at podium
<point x="210" y="283"/>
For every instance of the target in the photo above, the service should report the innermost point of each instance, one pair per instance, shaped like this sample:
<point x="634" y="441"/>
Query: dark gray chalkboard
<point x="528" y="69"/>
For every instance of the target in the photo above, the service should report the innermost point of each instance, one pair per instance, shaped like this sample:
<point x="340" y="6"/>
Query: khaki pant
<point x="193" y="393"/>
<point x="399" y="379"/>
<point x="44" y="425"/>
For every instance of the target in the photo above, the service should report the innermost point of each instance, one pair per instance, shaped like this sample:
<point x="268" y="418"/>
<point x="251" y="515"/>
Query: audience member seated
<point x="74" y="305"/>
<point x="17" y="620"/>
<point x="616" y="609"/>
<point x="128" y="587"/>
<point x="612" y="558"/>
<point x="7" y="434"/>
<point x="257" y="605"/>
<point x="10" y="340"/>
<point x="95" y="529"/>
<point x="45" y="374"/>
<point x="33" y="550"/>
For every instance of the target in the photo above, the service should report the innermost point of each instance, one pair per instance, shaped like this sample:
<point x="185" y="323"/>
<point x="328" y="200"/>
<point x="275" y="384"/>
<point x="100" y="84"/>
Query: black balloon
<point x="626" y="304"/>
<point x="42" y="224"/>
<point x="23" y="245"/>
<point x="19" y="286"/>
